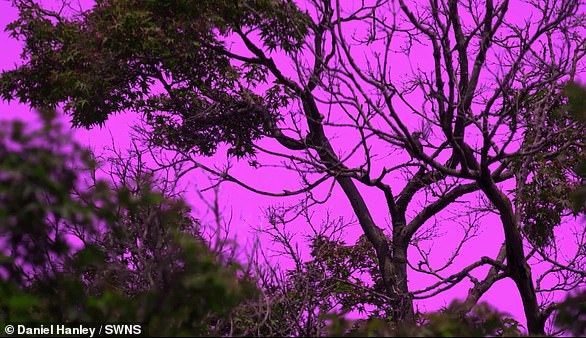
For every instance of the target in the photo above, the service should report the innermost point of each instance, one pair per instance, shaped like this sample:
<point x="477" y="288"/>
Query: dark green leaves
<point x="571" y="314"/>
<point x="576" y="95"/>
<point x="166" y="58"/>
<point x="37" y="181"/>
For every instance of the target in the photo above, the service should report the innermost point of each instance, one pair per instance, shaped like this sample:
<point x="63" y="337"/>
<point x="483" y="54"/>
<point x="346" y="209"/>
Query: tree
<point x="146" y="261"/>
<point x="490" y="104"/>
<point x="142" y="258"/>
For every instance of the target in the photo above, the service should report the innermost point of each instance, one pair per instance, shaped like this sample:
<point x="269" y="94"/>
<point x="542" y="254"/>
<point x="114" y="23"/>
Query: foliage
<point x="141" y="261"/>
<point x="545" y="197"/>
<point x="485" y="321"/>
<point x="349" y="268"/>
<point x="317" y="297"/>
<point x="141" y="43"/>
<point x="576" y="95"/>
<point x="38" y="176"/>
<point x="572" y="314"/>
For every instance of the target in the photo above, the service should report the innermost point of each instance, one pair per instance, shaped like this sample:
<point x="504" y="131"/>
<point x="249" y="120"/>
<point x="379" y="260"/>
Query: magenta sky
<point x="248" y="208"/>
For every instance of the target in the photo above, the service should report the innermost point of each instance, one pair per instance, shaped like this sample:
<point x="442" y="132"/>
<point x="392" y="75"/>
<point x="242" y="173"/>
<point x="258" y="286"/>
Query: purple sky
<point x="248" y="208"/>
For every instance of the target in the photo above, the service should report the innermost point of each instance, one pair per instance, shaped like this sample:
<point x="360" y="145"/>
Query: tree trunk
<point x="404" y="302"/>
<point x="517" y="265"/>
<point x="392" y="264"/>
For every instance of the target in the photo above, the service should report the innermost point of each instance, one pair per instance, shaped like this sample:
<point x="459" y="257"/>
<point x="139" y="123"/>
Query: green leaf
<point x="22" y="301"/>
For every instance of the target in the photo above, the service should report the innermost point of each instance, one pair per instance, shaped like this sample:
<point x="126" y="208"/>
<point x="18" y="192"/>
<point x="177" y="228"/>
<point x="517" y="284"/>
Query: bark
<point x="518" y="269"/>
<point x="480" y="288"/>
<point x="404" y="301"/>
<point x="392" y="263"/>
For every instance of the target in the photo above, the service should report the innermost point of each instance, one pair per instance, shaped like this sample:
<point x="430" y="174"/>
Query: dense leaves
<point x="551" y="175"/>
<point x="576" y="95"/>
<point x="572" y="314"/>
<point x="115" y="56"/>
<point x="37" y="177"/>
<point x="484" y="322"/>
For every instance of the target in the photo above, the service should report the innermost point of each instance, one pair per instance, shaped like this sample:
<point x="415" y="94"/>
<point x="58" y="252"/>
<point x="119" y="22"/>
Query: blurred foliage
<point x="571" y="315"/>
<point x="142" y="259"/>
<point x="484" y="321"/>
